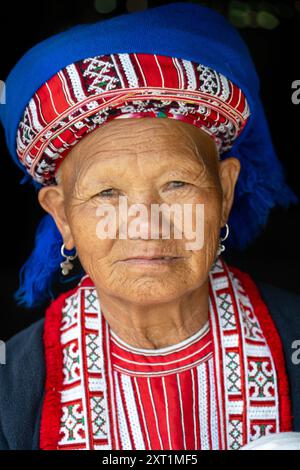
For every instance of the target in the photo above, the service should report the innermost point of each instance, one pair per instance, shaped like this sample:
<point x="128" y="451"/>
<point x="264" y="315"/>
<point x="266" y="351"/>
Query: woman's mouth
<point x="152" y="261"/>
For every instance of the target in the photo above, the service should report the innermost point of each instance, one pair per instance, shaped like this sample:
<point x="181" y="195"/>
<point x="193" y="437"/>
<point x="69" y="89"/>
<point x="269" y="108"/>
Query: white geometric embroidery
<point x="98" y="72"/>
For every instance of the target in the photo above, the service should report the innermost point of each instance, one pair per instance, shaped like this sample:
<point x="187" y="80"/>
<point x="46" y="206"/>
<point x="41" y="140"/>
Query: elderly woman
<point x="162" y="344"/>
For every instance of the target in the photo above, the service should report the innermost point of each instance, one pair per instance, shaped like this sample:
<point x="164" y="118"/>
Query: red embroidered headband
<point x="88" y="93"/>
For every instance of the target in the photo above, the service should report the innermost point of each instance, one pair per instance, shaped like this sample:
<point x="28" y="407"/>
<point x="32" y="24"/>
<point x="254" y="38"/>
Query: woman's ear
<point x="51" y="198"/>
<point x="229" y="171"/>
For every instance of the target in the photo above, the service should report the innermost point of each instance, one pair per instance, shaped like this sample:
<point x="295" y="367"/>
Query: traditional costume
<point x="232" y="381"/>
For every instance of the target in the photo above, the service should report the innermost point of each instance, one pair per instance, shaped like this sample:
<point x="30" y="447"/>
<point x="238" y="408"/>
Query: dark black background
<point x="274" y="257"/>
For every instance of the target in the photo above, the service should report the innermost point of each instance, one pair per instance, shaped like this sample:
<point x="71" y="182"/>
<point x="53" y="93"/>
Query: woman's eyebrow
<point x="190" y="171"/>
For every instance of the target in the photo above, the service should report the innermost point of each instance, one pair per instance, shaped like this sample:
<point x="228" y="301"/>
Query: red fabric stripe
<point x="197" y="421"/>
<point x="139" y="403"/>
<point x="58" y="94"/>
<point x="73" y="447"/>
<point x="214" y="117"/>
<point x="137" y="67"/>
<point x="274" y="343"/>
<point x="174" y="417"/>
<point x="235" y="96"/>
<point x="209" y="397"/>
<point x="149" y="412"/>
<point x="51" y="410"/>
<point x="160" y="406"/>
<point x="180" y="404"/>
<point x="47" y="109"/>
<point x="169" y="70"/>
<point x="241" y="106"/>
<point x="67" y="136"/>
<point x="150" y="69"/>
<point x="64" y="84"/>
<point x="41" y="118"/>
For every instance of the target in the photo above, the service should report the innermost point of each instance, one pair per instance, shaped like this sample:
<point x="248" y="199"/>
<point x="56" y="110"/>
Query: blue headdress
<point x="183" y="30"/>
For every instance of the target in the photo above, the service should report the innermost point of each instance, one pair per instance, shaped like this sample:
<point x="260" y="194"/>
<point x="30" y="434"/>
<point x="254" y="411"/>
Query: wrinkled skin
<point x="148" y="306"/>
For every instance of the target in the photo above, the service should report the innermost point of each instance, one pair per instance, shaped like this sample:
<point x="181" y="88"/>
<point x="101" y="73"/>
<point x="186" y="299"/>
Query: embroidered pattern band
<point x="90" y="92"/>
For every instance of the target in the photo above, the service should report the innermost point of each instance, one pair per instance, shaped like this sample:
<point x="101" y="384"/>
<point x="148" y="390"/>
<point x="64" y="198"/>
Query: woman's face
<point x="150" y="162"/>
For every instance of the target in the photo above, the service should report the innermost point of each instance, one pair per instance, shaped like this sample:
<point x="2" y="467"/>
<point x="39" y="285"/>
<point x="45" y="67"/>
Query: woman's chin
<point x="148" y="290"/>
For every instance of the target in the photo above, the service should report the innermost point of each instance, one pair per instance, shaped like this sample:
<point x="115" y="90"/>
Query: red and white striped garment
<point x="219" y="389"/>
<point x="163" y="395"/>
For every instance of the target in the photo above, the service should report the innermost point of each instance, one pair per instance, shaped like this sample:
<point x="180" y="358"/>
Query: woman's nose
<point x="141" y="223"/>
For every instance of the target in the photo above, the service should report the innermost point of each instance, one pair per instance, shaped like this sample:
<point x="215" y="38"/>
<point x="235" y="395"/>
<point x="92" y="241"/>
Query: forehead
<point x="139" y="133"/>
<point x="128" y="138"/>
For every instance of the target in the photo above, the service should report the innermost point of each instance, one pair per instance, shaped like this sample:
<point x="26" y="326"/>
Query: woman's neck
<point x="155" y="326"/>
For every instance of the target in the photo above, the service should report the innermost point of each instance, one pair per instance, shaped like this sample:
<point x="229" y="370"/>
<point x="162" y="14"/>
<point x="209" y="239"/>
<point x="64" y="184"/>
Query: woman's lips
<point x="152" y="261"/>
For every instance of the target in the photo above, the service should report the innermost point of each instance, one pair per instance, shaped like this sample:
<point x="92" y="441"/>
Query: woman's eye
<point x="177" y="184"/>
<point x="107" y="192"/>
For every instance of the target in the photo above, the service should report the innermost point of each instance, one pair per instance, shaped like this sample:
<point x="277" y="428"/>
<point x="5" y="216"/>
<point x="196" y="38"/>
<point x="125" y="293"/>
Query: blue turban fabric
<point x="184" y="30"/>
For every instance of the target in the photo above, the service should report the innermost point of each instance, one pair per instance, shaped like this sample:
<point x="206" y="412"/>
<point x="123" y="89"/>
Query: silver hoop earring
<point x="66" y="265"/>
<point x="221" y="247"/>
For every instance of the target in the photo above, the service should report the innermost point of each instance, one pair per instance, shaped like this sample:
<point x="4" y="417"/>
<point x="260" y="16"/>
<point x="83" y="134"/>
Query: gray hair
<point x="58" y="176"/>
